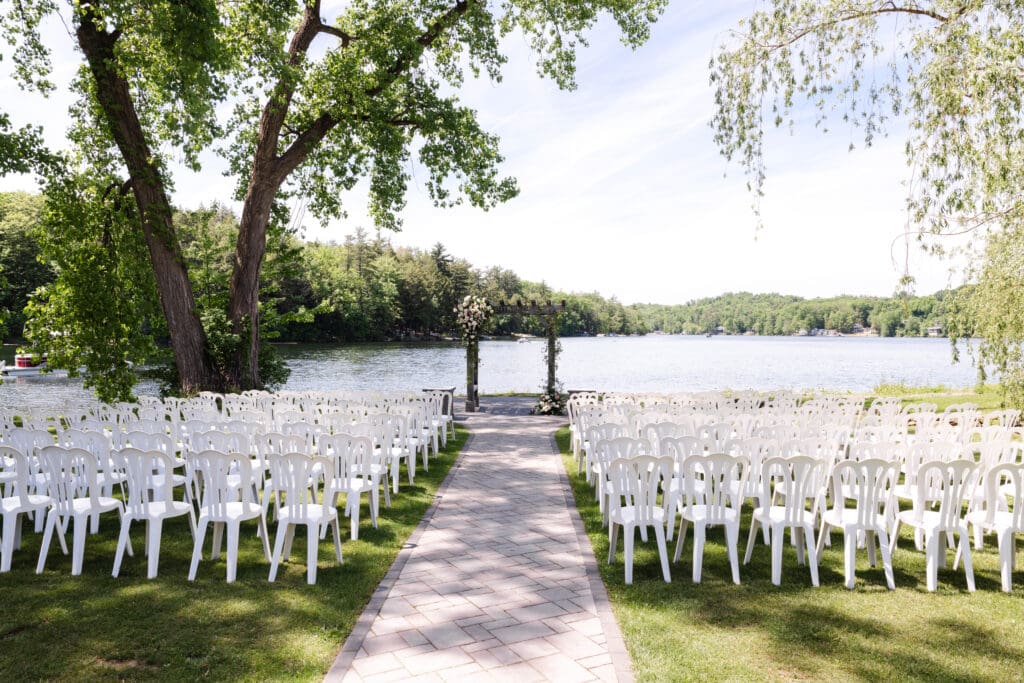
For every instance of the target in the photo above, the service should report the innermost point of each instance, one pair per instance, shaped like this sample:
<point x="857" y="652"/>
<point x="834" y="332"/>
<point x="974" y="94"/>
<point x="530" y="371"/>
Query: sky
<point x="622" y="190"/>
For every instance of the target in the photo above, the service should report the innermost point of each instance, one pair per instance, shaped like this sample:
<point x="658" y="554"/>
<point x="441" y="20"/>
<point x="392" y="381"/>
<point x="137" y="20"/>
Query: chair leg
<point x="778" y="543"/>
<point x="883" y="542"/>
<point x="264" y="535"/>
<point x="282" y="531"/>
<point x="218" y="540"/>
<point x="7" y="541"/>
<point x="968" y="563"/>
<point x="750" y="540"/>
<point x="354" y="517"/>
<point x="659" y="534"/>
<point x="850" y="556"/>
<point x="337" y="540"/>
<point x="812" y="553"/>
<point x="312" y="551"/>
<point x="680" y="538"/>
<point x="932" y="542"/>
<point x="233" y="529"/>
<point x="732" y="538"/>
<point x="51" y="521"/>
<point x="197" y="550"/>
<point x="629" y="531"/>
<point x="699" y="531"/>
<point x="78" y="545"/>
<point x="869" y="541"/>
<point x="613" y="541"/>
<point x="822" y="535"/>
<point x="1007" y="547"/>
<point x="122" y="542"/>
<point x="153" y="547"/>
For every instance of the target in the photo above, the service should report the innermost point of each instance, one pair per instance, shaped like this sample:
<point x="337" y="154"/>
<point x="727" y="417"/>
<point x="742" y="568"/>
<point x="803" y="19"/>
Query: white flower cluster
<point x="550" y="403"/>
<point x="471" y="314"/>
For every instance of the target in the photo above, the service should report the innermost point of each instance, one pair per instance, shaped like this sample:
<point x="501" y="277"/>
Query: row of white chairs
<point x="801" y="492"/>
<point x="305" y="490"/>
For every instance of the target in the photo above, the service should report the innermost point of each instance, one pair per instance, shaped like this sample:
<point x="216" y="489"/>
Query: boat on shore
<point x="27" y="365"/>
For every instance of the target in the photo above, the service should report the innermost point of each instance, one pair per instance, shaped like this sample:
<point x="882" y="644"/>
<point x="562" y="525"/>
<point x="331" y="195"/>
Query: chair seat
<point x="626" y="515"/>
<point x="848" y="518"/>
<point x="291" y="514"/>
<point x="699" y="513"/>
<point x="776" y="514"/>
<point x="232" y="511"/>
<point x="352" y="485"/>
<point x="1000" y="520"/>
<point x="158" y="509"/>
<point x="82" y="506"/>
<point x="13" y="504"/>
<point x="929" y="520"/>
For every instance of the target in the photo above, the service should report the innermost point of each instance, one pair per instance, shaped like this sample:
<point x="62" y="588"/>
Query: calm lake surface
<point x="652" y="363"/>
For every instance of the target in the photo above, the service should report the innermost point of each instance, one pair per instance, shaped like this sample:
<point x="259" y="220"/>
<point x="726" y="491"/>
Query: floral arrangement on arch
<point x="471" y="313"/>
<point x="550" y="403"/>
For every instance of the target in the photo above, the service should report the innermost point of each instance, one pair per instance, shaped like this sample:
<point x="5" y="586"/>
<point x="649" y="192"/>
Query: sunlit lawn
<point x="757" y="631"/>
<point x="95" y="627"/>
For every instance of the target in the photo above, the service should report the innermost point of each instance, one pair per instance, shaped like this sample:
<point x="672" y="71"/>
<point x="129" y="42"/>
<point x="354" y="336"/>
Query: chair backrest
<point x="216" y="440"/>
<point x="352" y="455"/>
<point x="28" y="441"/>
<point x="13" y="460"/>
<point x="71" y="473"/>
<point x="945" y="483"/>
<point x="635" y="483"/>
<point x="605" y="431"/>
<point x="292" y="473"/>
<point x="656" y="431"/>
<point x="869" y="483"/>
<point x="721" y="474"/>
<point x="880" y="450"/>
<point x="718" y="433"/>
<point x="620" y="447"/>
<point x="1004" y="481"/>
<point x="799" y="478"/>
<point x="146" y="441"/>
<point x="141" y="466"/>
<point x="219" y="488"/>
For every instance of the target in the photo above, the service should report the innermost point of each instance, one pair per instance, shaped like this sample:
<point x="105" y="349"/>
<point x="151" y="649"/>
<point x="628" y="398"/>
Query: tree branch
<point x="297" y="152"/>
<point x="885" y="8"/>
<point x="336" y="32"/>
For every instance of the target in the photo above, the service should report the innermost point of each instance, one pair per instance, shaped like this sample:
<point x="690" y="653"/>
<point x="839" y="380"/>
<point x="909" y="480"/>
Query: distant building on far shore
<point x="936" y="331"/>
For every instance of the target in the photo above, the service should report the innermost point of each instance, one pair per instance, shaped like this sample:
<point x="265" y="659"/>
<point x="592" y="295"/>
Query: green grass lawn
<point x="988" y="397"/>
<point x="756" y="631"/>
<point x="95" y="627"/>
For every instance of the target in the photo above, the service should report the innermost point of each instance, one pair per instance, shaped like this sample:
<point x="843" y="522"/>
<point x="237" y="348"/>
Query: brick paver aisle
<point x="496" y="587"/>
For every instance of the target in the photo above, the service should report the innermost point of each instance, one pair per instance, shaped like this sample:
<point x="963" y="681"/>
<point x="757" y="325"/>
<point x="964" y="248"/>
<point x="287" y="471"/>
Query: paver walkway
<point x="499" y="584"/>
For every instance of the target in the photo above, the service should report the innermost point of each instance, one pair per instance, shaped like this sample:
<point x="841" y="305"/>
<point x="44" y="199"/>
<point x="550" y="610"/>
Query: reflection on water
<point x="652" y="363"/>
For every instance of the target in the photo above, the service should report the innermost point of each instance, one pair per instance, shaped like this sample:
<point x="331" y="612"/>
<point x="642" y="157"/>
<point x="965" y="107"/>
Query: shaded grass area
<point x="757" y="631"/>
<point x="95" y="627"/>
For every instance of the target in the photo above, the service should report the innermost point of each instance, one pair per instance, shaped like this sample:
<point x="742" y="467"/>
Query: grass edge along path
<point x="95" y="627"/>
<point x="759" y="632"/>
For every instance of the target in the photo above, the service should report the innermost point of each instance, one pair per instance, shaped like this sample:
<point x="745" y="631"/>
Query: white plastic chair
<point x="300" y="506"/>
<point x="994" y="515"/>
<point x="357" y="470"/>
<point x="607" y="450"/>
<point x="714" y="505"/>
<point x="16" y="501"/>
<point x="225" y="504"/>
<point x="869" y="484"/>
<point x="73" y="481"/>
<point x="944" y="483"/>
<point x="150" y="500"/>
<point x="633" y="487"/>
<point x="798" y="480"/>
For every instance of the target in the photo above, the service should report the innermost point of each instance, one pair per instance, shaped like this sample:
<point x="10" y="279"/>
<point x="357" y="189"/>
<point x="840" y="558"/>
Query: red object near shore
<point x="26" y="360"/>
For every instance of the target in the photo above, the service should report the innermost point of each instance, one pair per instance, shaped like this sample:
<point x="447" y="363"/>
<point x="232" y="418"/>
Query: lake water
<point x="652" y="363"/>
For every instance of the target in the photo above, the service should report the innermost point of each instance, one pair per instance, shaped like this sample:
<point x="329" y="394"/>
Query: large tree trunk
<point x="188" y="339"/>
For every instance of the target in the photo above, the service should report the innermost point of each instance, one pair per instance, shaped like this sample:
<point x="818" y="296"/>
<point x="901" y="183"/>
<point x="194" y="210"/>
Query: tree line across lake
<point x="367" y="289"/>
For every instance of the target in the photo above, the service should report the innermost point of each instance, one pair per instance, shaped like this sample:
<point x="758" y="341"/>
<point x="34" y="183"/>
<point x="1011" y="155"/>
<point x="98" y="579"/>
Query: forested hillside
<point x="367" y="288"/>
